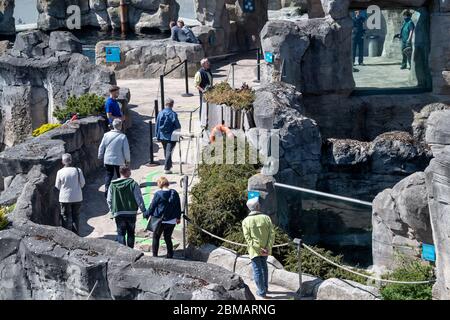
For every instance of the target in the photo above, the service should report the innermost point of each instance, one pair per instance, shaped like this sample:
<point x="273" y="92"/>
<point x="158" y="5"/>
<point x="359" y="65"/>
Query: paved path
<point x="96" y="221"/>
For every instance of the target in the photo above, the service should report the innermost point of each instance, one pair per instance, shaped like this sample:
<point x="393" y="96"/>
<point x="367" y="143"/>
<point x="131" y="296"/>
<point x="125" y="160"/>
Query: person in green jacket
<point x="124" y="199"/>
<point x="260" y="235"/>
<point x="406" y="36"/>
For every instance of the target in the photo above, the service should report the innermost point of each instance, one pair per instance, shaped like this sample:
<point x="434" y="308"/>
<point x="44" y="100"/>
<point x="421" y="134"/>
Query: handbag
<point x="154" y="223"/>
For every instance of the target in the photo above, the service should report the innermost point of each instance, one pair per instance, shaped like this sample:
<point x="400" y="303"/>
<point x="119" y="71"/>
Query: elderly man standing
<point x="115" y="152"/>
<point x="166" y="123"/>
<point x="203" y="80"/>
<point x="70" y="182"/>
<point x="260" y="236"/>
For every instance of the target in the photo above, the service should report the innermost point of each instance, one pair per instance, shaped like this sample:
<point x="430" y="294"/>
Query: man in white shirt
<point x="70" y="182"/>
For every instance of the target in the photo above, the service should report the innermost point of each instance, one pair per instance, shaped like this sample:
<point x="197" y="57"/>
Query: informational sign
<point x="268" y="56"/>
<point x="249" y="6"/>
<point x="428" y="252"/>
<point x="112" y="54"/>
<point x="253" y="195"/>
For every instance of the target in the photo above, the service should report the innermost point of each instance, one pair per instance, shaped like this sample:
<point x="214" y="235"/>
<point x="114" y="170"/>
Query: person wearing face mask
<point x="406" y="36"/>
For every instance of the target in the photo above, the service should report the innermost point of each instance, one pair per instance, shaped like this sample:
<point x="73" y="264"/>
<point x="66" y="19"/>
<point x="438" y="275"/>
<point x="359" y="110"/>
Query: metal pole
<point x="299" y="250"/>
<point x="152" y="158"/>
<point x="258" y="67"/>
<point x="123" y="17"/>
<point x="181" y="156"/>
<point x="156" y="109"/>
<point x="186" y="78"/>
<point x="186" y="211"/>
<point x="161" y="82"/>
<point x="190" y="123"/>
<point x="232" y="74"/>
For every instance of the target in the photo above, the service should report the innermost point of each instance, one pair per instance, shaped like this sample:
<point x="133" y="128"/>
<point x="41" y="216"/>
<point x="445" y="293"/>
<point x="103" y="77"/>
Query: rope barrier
<point x="315" y="253"/>
<point x="361" y="274"/>
<point x="225" y="240"/>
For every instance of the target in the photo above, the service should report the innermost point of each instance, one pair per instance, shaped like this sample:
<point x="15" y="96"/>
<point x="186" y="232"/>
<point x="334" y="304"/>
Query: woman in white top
<point x="69" y="182"/>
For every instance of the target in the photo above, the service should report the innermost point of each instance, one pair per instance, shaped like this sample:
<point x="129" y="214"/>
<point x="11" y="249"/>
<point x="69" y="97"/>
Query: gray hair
<point x="117" y="124"/>
<point x="67" y="159"/>
<point x="169" y="102"/>
<point x="203" y="61"/>
<point x="254" y="204"/>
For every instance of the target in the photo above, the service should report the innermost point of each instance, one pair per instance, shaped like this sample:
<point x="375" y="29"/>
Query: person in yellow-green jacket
<point x="260" y="235"/>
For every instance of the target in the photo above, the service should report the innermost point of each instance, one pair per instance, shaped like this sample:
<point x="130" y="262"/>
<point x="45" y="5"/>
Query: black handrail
<point x="186" y="78"/>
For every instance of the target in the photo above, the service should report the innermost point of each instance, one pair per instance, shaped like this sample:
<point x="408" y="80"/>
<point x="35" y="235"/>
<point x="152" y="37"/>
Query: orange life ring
<point x="222" y="129"/>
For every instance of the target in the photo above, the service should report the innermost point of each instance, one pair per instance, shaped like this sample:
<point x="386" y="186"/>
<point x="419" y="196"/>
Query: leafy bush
<point x="239" y="99"/>
<point x="219" y="199"/>
<point x="45" y="128"/>
<point x="85" y="105"/>
<point x="3" y="216"/>
<point x="409" y="270"/>
<point x="318" y="267"/>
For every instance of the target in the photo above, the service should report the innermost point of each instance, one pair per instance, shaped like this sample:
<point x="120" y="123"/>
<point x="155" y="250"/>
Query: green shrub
<point x="45" y="128"/>
<point x="318" y="267"/>
<point x="409" y="270"/>
<point x="239" y="99"/>
<point x="4" y="211"/>
<point x="219" y="200"/>
<point x="85" y="105"/>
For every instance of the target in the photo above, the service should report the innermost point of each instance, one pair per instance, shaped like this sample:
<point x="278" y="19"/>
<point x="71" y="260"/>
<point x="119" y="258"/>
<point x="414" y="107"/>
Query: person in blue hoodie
<point x="166" y="204"/>
<point x="166" y="123"/>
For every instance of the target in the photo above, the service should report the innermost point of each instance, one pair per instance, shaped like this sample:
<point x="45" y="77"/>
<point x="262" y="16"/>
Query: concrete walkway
<point x="95" y="220"/>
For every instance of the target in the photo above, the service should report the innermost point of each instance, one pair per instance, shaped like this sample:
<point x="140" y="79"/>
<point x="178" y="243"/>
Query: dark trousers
<point x="167" y="230"/>
<point x="70" y="216"/>
<point x="358" y="49"/>
<point x="110" y="170"/>
<point x="168" y="146"/>
<point x="406" y="57"/>
<point x="126" y="226"/>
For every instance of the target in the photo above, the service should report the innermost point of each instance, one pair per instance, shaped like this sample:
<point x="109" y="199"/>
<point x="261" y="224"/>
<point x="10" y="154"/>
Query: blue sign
<point x="249" y="6"/>
<point x="428" y="252"/>
<point x="253" y="195"/>
<point x="268" y="56"/>
<point x="112" y="54"/>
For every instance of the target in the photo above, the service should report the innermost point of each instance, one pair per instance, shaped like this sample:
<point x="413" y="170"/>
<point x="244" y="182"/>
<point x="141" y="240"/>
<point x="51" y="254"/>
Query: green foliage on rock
<point x="85" y="105"/>
<point x="4" y="211"/>
<point x="409" y="270"/>
<point x="318" y="267"/>
<point x="239" y="99"/>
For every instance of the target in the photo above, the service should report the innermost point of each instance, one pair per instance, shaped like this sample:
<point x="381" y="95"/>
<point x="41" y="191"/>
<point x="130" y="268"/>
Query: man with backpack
<point x="124" y="199"/>
<point x="115" y="152"/>
<point x="70" y="182"/>
<point x="166" y="123"/>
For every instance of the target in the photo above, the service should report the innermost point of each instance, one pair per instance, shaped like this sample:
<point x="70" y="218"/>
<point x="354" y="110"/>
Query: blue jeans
<point x="126" y="226"/>
<point x="261" y="275"/>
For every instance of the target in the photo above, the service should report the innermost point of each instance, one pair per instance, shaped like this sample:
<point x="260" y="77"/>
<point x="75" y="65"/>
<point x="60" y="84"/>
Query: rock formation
<point x="438" y="186"/>
<point x="151" y="58"/>
<point x="142" y="15"/>
<point x="39" y="73"/>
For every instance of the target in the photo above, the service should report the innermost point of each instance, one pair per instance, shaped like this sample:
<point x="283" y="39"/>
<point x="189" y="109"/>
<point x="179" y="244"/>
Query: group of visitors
<point x="182" y="33"/>
<point x="123" y="195"/>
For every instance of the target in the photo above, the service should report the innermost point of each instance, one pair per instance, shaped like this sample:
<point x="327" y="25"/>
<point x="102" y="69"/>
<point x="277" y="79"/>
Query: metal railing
<point x="186" y="79"/>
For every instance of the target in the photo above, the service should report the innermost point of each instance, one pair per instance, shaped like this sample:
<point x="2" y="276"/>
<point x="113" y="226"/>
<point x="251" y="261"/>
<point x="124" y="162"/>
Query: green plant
<point x="239" y="99"/>
<point x="219" y="200"/>
<point x="409" y="270"/>
<point x="85" y="105"/>
<point x="318" y="267"/>
<point x="4" y="211"/>
<point x="45" y="128"/>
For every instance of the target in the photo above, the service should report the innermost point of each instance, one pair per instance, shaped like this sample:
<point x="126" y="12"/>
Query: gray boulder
<point x="151" y="58"/>
<point x="30" y="44"/>
<point x="336" y="289"/>
<point x="65" y="41"/>
<point x="398" y="153"/>
<point x="438" y="187"/>
<point x="419" y="125"/>
<point x="302" y="56"/>
<point x="347" y="152"/>
<point x="401" y="222"/>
